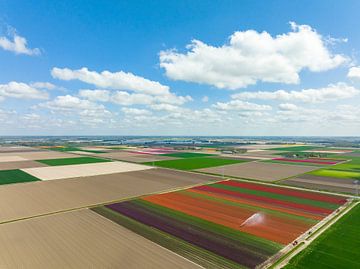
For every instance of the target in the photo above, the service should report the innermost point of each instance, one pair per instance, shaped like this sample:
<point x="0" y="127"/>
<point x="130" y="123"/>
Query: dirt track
<point x="80" y="239"/>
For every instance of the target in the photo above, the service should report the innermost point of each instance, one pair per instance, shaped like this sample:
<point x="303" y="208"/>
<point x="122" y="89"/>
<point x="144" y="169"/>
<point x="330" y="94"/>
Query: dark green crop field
<point x="15" y="176"/>
<point x="70" y="161"/>
<point x="338" y="247"/>
<point x="194" y="163"/>
<point x="294" y="148"/>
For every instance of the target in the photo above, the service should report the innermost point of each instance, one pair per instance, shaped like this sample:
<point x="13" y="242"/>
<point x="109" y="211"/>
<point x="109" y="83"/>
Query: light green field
<point x="336" y="173"/>
<point x="15" y="176"/>
<point x="294" y="148"/>
<point x="194" y="163"/>
<point x="338" y="247"/>
<point x="70" y="161"/>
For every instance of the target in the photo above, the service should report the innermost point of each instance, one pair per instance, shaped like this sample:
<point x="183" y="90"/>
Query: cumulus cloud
<point x="332" y="92"/>
<point x="135" y="112"/>
<point x="43" y="85"/>
<point x="21" y="90"/>
<point x="18" y="45"/>
<point x="251" y="56"/>
<point x="112" y="80"/>
<point x="288" y="107"/>
<point x="241" y="105"/>
<point x="354" y="72"/>
<point x="95" y="95"/>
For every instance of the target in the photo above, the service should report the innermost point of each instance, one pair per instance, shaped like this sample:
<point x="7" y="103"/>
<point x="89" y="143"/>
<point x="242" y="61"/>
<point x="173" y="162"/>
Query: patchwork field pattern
<point x="15" y="176"/>
<point x="307" y="161"/>
<point x="229" y="223"/>
<point x="187" y="154"/>
<point x="338" y="247"/>
<point x="195" y="163"/>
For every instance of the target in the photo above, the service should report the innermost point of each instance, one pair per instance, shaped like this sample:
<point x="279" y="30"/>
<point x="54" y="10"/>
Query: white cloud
<point x="251" y="56"/>
<point x="18" y="45"/>
<point x="21" y="90"/>
<point x="109" y="80"/>
<point x="332" y="92"/>
<point x="166" y="107"/>
<point x="205" y="99"/>
<point x="95" y="95"/>
<point x="354" y="72"/>
<point x="288" y="107"/>
<point x="43" y="85"/>
<point x="241" y="105"/>
<point x="135" y="111"/>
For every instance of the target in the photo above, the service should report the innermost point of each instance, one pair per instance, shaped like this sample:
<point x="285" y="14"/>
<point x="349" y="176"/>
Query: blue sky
<point x="179" y="67"/>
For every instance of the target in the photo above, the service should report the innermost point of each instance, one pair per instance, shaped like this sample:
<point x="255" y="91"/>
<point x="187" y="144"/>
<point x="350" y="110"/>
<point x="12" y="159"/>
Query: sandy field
<point x="80" y="239"/>
<point x="42" y="197"/>
<point x="95" y="148"/>
<point x="134" y="157"/>
<point x="83" y="170"/>
<point x="323" y="183"/>
<point x="11" y="158"/>
<point x="20" y="165"/>
<point x="260" y="170"/>
<point x="41" y="155"/>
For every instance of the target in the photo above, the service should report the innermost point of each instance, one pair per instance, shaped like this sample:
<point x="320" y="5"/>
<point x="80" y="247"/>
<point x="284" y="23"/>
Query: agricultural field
<point x="195" y="163"/>
<point x="15" y="176"/>
<point x="71" y="161"/>
<point x="228" y="224"/>
<point x="20" y="165"/>
<point x="187" y="155"/>
<point x="66" y="149"/>
<point x="259" y="170"/>
<point x="306" y="161"/>
<point x="134" y="157"/>
<point x="337" y="247"/>
<point x="295" y="148"/>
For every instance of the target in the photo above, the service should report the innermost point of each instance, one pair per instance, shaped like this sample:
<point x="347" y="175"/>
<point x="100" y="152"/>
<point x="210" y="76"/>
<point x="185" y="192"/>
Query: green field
<point x="15" y="176"/>
<point x="338" y="247"/>
<point x="335" y="173"/>
<point x="294" y="148"/>
<point x="70" y="161"/>
<point x="194" y="163"/>
<point x="187" y="155"/>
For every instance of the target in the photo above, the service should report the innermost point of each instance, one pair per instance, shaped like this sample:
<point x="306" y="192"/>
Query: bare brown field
<point x="17" y="149"/>
<point x="83" y="170"/>
<point x="41" y="155"/>
<point x="80" y="239"/>
<point x="20" y="165"/>
<point x="133" y="157"/>
<point x="322" y="183"/>
<point x="11" y="158"/>
<point x="42" y="197"/>
<point x="259" y="170"/>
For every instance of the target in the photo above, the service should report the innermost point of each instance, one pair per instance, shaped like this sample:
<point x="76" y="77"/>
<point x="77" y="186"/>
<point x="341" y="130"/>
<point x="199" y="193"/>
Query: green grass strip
<point x="71" y="161"/>
<point x="337" y="247"/>
<point x="269" y="247"/>
<point x="277" y="196"/>
<point x="196" y="254"/>
<point x="194" y="163"/>
<point x="251" y="207"/>
<point x="187" y="154"/>
<point x="15" y="176"/>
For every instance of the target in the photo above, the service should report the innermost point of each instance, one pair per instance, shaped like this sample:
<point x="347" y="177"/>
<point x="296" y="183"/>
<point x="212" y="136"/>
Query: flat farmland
<point x="307" y="161"/>
<point x="228" y="224"/>
<point x="80" y="239"/>
<point x="83" y="170"/>
<point x="341" y="185"/>
<point x="40" y="155"/>
<point x="259" y="170"/>
<point x="195" y="163"/>
<point x="296" y="148"/>
<point x="338" y="247"/>
<point x="134" y="157"/>
<point x="19" y="201"/>
<point x="71" y="161"/>
<point x="187" y="154"/>
<point x="20" y="165"/>
<point x="15" y="176"/>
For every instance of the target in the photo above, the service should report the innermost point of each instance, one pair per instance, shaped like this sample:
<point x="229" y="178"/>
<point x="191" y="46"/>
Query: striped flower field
<point x="241" y="224"/>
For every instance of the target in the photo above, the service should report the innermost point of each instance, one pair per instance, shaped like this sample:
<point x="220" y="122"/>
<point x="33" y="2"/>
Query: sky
<point x="238" y="68"/>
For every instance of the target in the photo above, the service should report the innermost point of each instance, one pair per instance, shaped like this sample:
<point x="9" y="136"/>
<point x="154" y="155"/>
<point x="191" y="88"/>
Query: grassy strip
<point x="250" y="240"/>
<point x="277" y="196"/>
<point x="194" y="163"/>
<point x="251" y="207"/>
<point x="15" y="176"/>
<point x="198" y="255"/>
<point x="286" y="255"/>
<point x="71" y="161"/>
<point x="337" y="247"/>
<point x="187" y="155"/>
